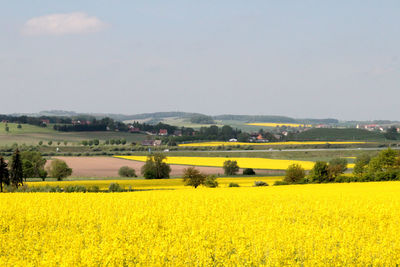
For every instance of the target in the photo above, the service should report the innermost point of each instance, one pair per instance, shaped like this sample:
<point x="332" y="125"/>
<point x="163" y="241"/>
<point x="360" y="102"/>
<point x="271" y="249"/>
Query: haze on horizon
<point x="308" y="59"/>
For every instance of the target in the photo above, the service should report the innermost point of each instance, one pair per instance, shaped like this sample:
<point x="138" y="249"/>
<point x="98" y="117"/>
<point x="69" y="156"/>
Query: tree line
<point x="29" y="164"/>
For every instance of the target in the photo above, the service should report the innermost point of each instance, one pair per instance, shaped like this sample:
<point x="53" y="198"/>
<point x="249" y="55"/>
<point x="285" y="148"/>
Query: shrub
<point x="260" y="183"/>
<point x="114" y="187"/>
<point x="249" y="171"/>
<point x="281" y="183"/>
<point x="211" y="181"/>
<point x="233" y="185"/>
<point x="230" y="167"/>
<point x="126" y="171"/>
<point x="75" y="188"/>
<point x="294" y="174"/>
<point x="94" y="189"/>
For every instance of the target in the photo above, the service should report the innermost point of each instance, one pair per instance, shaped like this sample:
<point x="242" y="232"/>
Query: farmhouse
<point x="163" y="132"/>
<point x="151" y="143"/>
<point x="134" y="129"/>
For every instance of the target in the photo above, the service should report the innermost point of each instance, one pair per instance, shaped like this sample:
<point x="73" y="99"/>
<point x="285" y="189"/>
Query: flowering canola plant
<point x="213" y="144"/>
<point x="255" y="163"/>
<point x="354" y="224"/>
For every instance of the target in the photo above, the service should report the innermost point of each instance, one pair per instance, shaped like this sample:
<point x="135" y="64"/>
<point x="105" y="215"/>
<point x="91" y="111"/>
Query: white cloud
<point x="61" y="24"/>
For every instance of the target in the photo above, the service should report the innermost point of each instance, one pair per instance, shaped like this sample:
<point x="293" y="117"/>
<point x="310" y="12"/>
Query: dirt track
<point x="108" y="167"/>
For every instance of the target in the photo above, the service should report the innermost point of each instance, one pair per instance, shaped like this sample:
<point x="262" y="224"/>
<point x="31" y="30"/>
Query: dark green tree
<point x="16" y="170"/>
<point x="59" y="169"/>
<point x="33" y="164"/>
<point x="294" y="174"/>
<point x="361" y="165"/>
<point x="155" y="168"/>
<point x="231" y="167"/>
<point x="193" y="177"/>
<point x="4" y="174"/>
<point x="319" y="173"/>
<point x="336" y="167"/>
<point x="391" y="133"/>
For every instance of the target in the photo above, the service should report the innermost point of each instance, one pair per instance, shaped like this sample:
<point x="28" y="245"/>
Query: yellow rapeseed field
<point x="273" y="124"/>
<point x="255" y="163"/>
<point x="291" y="143"/>
<point x="354" y="224"/>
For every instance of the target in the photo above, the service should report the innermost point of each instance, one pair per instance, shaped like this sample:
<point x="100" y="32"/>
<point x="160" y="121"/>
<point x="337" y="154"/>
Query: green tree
<point x="123" y="141"/>
<point x="319" y="173"/>
<point x="84" y="142"/>
<point x="96" y="142"/>
<point x="227" y="132"/>
<point x="19" y="126"/>
<point x="35" y="167"/>
<point x="59" y="169"/>
<point x="50" y="143"/>
<point x="126" y="171"/>
<point x="155" y="168"/>
<point x="387" y="159"/>
<point x="336" y="167"/>
<point x="16" y="170"/>
<point x="65" y="143"/>
<point x="243" y="137"/>
<point x="4" y="173"/>
<point x="294" y="174"/>
<point x="391" y="133"/>
<point x="27" y="168"/>
<point x="40" y="143"/>
<point x="193" y="177"/>
<point x="231" y="167"/>
<point x="361" y="164"/>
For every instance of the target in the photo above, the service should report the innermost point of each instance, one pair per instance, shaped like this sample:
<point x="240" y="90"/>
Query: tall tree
<point x="155" y="168"/>
<point x="4" y="174"/>
<point x="16" y="170"/>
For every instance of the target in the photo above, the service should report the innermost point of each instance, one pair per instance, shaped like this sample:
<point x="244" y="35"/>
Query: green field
<point x="335" y="134"/>
<point x="31" y="135"/>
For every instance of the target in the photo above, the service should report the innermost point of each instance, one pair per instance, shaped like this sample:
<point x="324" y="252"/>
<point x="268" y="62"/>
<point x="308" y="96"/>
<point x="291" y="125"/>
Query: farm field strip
<point x="354" y="224"/>
<point x="273" y="124"/>
<point x="254" y="163"/>
<point x="173" y="183"/>
<point x="213" y="144"/>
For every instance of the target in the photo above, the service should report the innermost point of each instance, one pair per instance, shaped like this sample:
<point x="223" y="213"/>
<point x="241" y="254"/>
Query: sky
<point x="304" y="59"/>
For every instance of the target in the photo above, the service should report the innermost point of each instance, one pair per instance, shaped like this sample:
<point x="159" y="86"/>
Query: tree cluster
<point x="383" y="167"/>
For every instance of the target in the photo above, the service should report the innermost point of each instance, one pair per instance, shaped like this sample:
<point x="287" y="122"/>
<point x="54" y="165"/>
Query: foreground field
<point x="255" y="163"/>
<point x="312" y="225"/>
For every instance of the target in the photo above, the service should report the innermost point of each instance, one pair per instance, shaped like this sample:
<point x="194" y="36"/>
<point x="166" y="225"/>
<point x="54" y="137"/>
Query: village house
<point x="45" y="121"/>
<point x="163" y="132"/>
<point x="151" y="143"/>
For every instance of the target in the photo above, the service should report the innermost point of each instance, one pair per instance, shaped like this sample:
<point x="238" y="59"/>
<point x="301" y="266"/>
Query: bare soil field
<point x="103" y="167"/>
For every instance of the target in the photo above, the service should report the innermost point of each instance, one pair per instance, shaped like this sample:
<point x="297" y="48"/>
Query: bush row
<point x="113" y="187"/>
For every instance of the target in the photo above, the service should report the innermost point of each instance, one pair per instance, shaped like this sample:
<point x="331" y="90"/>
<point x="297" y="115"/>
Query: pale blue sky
<point x="297" y="58"/>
